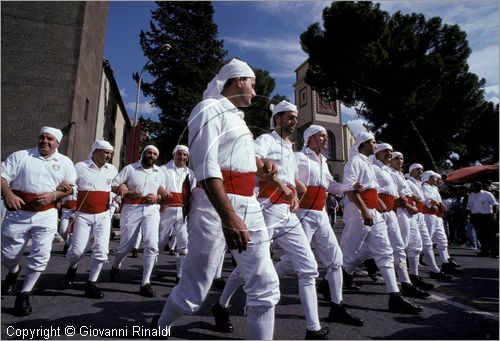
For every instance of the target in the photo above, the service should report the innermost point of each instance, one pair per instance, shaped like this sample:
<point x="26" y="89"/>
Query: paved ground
<point x="466" y="308"/>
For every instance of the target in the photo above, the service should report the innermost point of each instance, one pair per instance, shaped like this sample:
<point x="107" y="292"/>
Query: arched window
<point x="330" y="152"/>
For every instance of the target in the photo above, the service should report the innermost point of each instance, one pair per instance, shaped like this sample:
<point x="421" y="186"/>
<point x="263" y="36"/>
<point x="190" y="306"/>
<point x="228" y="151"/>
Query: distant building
<point x="313" y="109"/>
<point x="113" y="123"/>
<point x="51" y="72"/>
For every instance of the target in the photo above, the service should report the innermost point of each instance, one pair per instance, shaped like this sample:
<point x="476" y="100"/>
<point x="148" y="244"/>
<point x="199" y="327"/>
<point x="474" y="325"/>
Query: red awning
<point x="468" y="174"/>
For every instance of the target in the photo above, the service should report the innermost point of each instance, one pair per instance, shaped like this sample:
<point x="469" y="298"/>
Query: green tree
<point x="182" y="73"/>
<point x="410" y="75"/>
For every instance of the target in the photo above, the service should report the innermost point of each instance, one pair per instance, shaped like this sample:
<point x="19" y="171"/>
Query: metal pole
<point x="134" y="129"/>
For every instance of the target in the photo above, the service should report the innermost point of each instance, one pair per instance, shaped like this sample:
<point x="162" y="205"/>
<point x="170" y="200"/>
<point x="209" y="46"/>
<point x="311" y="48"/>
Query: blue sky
<point x="266" y="35"/>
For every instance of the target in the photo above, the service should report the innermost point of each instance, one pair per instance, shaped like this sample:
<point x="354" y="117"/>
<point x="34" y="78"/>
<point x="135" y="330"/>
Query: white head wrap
<point x="282" y="106"/>
<point x="235" y="68"/>
<point x="381" y="147"/>
<point x="310" y="131"/>
<point x="52" y="131"/>
<point x="150" y="146"/>
<point x="360" y="139"/>
<point x="437" y="175"/>
<point x="100" y="145"/>
<point x="180" y="147"/>
<point x="396" y="154"/>
<point x="427" y="174"/>
<point x="415" y="166"/>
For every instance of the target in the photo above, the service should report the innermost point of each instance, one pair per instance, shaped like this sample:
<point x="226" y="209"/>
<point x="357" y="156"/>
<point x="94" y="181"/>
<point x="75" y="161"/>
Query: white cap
<point x="427" y="175"/>
<point x="396" y="154"/>
<point x="148" y="147"/>
<point x="415" y="166"/>
<point x="310" y="131"/>
<point x="282" y="106"/>
<point x="180" y="147"/>
<point x="382" y="146"/>
<point x="235" y="68"/>
<point x="100" y="144"/>
<point x="52" y="131"/>
<point x="360" y="139"/>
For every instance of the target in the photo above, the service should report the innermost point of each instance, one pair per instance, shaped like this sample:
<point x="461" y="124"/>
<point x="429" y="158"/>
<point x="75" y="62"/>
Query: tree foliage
<point x="182" y="73"/>
<point x="410" y="75"/>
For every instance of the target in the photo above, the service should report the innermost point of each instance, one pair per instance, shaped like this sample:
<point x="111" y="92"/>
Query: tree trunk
<point x="424" y="144"/>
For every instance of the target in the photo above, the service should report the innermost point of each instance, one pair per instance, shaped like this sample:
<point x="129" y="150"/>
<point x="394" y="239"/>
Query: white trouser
<point x="133" y="220"/>
<point x="320" y="235"/>
<point x="396" y="240"/>
<point x="426" y="242"/>
<point x="86" y="226"/>
<point x="206" y="244"/>
<point x="359" y="239"/>
<point x="437" y="234"/>
<point x="409" y="232"/>
<point x="17" y="229"/>
<point x="64" y="226"/>
<point x="171" y="218"/>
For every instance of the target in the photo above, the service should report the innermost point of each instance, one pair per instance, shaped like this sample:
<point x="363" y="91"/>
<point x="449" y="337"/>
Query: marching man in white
<point x="140" y="185"/>
<point x="92" y="216"/>
<point x="30" y="182"/>
<point x="224" y="209"/>
<point x="171" y="215"/>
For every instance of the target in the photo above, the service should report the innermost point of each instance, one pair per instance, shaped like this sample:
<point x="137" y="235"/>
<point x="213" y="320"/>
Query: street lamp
<point x="163" y="47"/>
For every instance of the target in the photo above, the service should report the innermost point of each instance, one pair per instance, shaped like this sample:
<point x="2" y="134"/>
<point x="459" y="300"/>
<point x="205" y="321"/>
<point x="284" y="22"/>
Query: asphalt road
<point x="465" y="308"/>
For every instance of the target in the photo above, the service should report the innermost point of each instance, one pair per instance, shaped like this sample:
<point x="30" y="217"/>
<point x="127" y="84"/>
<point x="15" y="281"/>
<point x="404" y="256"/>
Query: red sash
<point x="427" y="210"/>
<point x="239" y="183"/>
<point x="410" y="201"/>
<point x="174" y="201"/>
<point x="314" y="198"/>
<point x="420" y="206"/>
<point x="133" y="200"/>
<point x="70" y="204"/>
<point x="370" y="198"/>
<point x="388" y="200"/>
<point x="92" y="201"/>
<point x="440" y="212"/>
<point x="30" y="203"/>
<point x="272" y="191"/>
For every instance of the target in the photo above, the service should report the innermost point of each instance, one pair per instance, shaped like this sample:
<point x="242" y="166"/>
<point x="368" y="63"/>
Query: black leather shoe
<point x="421" y="261"/>
<point x="419" y="283"/>
<point x="399" y="304"/>
<point x="218" y="283"/>
<point x="10" y="282"/>
<point x="114" y="274"/>
<point x="69" y="278"/>
<point x="22" y="306"/>
<point x="154" y="326"/>
<point x="409" y="290"/>
<point x="92" y="291"/>
<point x="65" y="249"/>
<point x="321" y="334"/>
<point x="453" y="263"/>
<point x="449" y="269"/>
<point x="372" y="269"/>
<point x="222" y="322"/>
<point x="135" y="253"/>
<point x="147" y="290"/>
<point x="324" y="289"/>
<point x="440" y="276"/>
<point x="349" y="282"/>
<point x="339" y="314"/>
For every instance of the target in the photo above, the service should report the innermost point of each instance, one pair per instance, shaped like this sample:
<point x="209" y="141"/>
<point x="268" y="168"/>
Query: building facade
<point x="52" y="69"/>
<point x="313" y="109"/>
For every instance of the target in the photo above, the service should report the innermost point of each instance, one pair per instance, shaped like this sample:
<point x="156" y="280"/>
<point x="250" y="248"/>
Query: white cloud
<point x="123" y="93"/>
<point x="144" y="109"/>
<point x="484" y="63"/>
<point x="491" y="93"/>
<point x="304" y="13"/>
<point x="357" y="126"/>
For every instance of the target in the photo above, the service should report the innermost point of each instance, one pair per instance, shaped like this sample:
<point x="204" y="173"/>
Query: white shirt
<point x="28" y="171"/>
<point x="175" y="176"/>
<point x="385" y="179"/>
<point x="416" y="187"/>
<point x="219" y="139"/>
<point x="139" y="179"/>
<point x="313" y="171"/>
<point x="401" y="183"/>
<point x="358" y="169"/>
<point x="272" y="146"/>
<point x="430" y="193"/>
<point x="481" y="202"/>
<point x="93" y="178"/>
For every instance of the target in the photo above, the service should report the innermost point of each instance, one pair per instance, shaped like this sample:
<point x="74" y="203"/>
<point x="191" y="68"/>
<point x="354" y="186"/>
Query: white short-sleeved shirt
<point x="272" y="146"/>
<point x="139" y="179"/>
<point x="28" y="171"/>
<point x="481" y="202"/>
<point x="175" y="176"/>
<point x="219" y="139"/>
<point x="313" y="171"/>
<point x="93" y="178"/>
<point x="385" y="179"/>
<point x="430" y="193"/>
